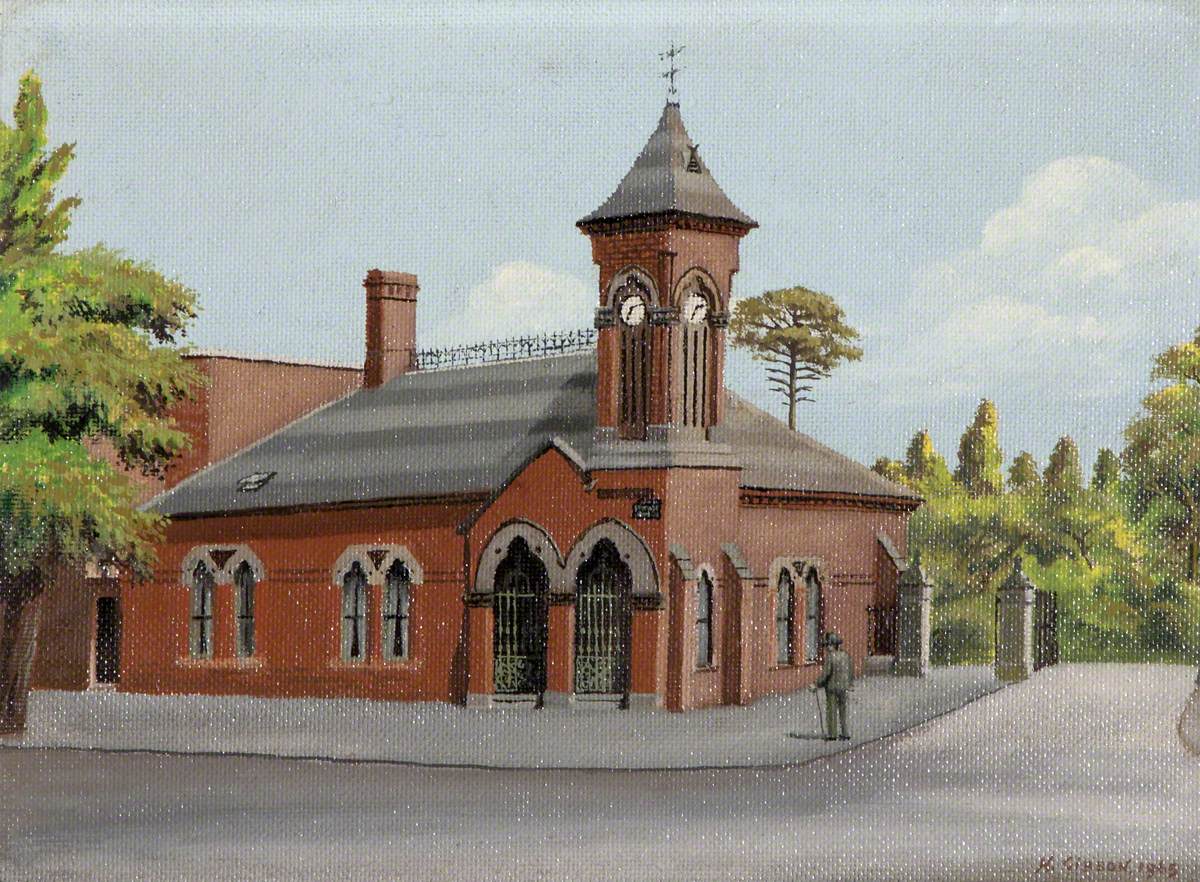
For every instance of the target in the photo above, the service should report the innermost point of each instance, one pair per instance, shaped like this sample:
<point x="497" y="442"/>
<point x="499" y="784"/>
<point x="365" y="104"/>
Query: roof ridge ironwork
<point x="521" y="348"/>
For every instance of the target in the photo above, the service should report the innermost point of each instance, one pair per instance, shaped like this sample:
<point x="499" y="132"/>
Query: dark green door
<point x="603" y="622"/>
<point x="519" y="623"/>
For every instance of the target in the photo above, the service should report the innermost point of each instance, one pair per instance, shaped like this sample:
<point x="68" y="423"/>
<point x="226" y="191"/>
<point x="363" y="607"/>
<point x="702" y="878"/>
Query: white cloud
<point x="1088" y="253"/>
<point x="1057" y="308"/>
<point x="520" y="297"/>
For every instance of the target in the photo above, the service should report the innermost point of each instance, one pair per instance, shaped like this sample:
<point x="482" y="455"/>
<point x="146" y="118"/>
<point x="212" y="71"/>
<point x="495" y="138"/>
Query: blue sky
<point x="1005" y="198"/>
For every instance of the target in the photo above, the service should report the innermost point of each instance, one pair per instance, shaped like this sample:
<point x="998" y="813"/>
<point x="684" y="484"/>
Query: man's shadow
<point x="802" y="736"/>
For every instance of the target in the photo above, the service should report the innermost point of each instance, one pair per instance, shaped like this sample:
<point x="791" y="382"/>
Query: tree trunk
<point x="22" y="603"/>
<point x="792" y="394"/>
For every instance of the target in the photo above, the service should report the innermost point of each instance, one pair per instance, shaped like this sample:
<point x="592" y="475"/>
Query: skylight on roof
<point x="254" y="481"/>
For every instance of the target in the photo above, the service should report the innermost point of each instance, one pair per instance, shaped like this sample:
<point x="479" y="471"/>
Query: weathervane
<point x="669" y="56"/>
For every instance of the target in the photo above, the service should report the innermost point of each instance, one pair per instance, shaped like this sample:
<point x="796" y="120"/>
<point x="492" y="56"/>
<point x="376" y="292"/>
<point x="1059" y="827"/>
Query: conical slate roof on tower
<point x="669" y="177"/>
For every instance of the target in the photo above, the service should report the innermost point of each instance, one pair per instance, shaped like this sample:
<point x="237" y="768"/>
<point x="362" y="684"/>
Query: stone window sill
<point x="375" y="664"/>
<point x="250" y="663"/>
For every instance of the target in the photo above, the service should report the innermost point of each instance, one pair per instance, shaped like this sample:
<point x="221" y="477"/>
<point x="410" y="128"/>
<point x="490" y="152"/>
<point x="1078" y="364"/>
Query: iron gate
<point x="519" y="623"/>
<point x="1045" y="629"/>
<point x="602" y="623"/>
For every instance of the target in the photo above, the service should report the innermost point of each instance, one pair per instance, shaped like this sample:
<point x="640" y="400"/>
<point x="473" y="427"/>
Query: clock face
<point x="695" y="309"/>
<point x="633" y="310"/>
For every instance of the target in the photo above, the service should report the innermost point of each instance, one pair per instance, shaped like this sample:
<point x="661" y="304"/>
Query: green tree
<point x="1162" y="458"/>
<point x="800" y="334"/>
<point x="87" y="359"/>
<point x="925" y="467"/>
<point x="979" y="455"/>
<point x="1106" y="473"/>
<point x="892" y="469"/>
<point x="1063" y="471"/>
<point x="1023" y="473"/>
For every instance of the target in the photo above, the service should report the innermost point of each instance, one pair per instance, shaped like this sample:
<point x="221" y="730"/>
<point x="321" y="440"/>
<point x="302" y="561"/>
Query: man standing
<point x="836" y="679"/>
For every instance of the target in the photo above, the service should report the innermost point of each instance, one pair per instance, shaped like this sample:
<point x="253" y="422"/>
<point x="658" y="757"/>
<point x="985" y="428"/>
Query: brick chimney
<point x="391" y="325"/>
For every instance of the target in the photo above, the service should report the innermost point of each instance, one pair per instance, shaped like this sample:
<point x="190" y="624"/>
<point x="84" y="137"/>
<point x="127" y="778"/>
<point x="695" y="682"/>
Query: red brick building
<point x="609" y="524"/>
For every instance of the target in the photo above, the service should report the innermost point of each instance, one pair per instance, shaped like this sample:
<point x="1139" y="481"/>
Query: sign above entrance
<point x="647" y="509"/>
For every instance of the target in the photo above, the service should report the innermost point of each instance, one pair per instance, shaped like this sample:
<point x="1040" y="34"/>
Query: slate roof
<point x="669" y="176"/>
<point x="431" y="433"/>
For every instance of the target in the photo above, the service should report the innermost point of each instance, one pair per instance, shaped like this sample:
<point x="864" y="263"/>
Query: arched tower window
<point x="634" y="367"/>
<point x="631" y="302"/>
<point x="785" y="619"/>
<point x="812" y="615"/>
<point x="354" y="614"/>
<point x="244" y="582"/>
<point x="704" y="622"/>
<point x="696" y="301"/>
<point x="395" y="611"/>
<point x="201" y="631"/>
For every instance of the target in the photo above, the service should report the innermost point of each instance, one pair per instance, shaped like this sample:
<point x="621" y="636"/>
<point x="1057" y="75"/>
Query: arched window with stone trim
<point x="244" y="582"/>
<point x="200" y="632"/>
<point x="813" y="603"/>
<point x="704" y="621"/>
<point x="632" y="300"/>
<point x="785" y="619"/>
<point x="696" y="302"/>
<point x="354" y="614"/>
<point x="396" y="596"/>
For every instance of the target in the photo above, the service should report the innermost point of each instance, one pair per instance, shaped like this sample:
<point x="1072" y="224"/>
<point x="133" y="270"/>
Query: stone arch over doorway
<point x="540" y="544"/>
<point x="633" y="551"/>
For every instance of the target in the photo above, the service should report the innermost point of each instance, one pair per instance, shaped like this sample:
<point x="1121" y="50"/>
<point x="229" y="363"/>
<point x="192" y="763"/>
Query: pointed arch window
<point x="696" y="340"/>
<point x="634" y="364"/>
<point x="812" y="615"/>
<point x="704" y="622"/>
<point x="200" y="635"/>
<point x="354" y="614"/>
<point x="396" y="594"/>
<point x="785" y="619"/>
<point x="244" y="582"/>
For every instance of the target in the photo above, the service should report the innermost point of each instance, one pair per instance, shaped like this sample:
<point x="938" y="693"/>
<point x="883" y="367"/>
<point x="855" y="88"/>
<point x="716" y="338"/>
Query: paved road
<point x="1082" y="761"/>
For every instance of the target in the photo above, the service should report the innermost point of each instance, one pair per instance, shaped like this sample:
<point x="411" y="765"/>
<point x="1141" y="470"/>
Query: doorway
<point x="108" y="641"/>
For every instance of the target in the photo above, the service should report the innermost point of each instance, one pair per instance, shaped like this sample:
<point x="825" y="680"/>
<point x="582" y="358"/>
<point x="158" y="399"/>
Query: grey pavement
<point x="775" y="730"/>
<point x="1081" y="763"/>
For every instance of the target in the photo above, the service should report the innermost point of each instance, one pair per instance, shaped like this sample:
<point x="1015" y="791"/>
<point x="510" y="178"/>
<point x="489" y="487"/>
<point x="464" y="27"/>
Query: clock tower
<point x="666" y="244"/>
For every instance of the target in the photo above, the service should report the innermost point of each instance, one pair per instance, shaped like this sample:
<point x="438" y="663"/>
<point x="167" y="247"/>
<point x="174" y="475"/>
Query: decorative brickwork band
<point x="664" y="315"/>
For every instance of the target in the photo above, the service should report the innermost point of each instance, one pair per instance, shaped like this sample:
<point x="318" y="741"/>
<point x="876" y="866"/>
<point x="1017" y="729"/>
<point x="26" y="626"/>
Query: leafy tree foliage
<point x="800" y="334"/>
<point x="1106" y="472"/>
<point x="892" y="469"/>
<point x="924" y="466"/>
<point x="1063" y="471"/>
<point x="979" y="455"/>
<point x="1077" y="539"/>
<point x="1162" y="459"/>
<point x="88" y="359"/>
<point x="1023" y="473"/>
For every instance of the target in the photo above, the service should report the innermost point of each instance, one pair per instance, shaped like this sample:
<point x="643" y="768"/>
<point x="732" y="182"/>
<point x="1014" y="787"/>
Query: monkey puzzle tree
<point x="87" y="360"/>
<point x="800" y="334"/>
